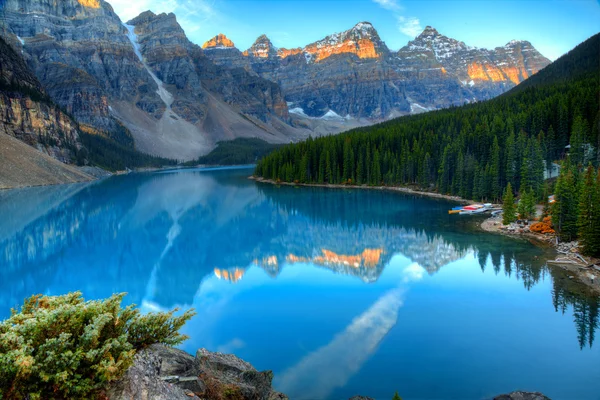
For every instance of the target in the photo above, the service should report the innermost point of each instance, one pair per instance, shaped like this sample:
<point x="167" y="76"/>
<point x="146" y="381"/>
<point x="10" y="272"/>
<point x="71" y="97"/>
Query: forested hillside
<point x="472" y="151"/>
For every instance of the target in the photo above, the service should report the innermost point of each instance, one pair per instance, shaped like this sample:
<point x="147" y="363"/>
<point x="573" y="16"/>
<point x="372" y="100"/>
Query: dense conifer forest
<point x="237" y="152"/>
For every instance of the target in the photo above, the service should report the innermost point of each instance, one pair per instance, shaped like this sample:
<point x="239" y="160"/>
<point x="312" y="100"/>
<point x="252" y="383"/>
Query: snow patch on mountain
<point x="162" y="92"/>
<point x="218" y="48"/>
<point x="328" y="116"/>
<point x="416" y="108"/>
<point x="332" y="115"/>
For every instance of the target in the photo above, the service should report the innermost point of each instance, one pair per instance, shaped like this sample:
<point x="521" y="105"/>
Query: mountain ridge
<point x="432" y="71"/>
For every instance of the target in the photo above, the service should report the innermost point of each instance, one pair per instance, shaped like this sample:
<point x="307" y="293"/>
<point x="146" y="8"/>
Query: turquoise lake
<point x="339" y="292"/>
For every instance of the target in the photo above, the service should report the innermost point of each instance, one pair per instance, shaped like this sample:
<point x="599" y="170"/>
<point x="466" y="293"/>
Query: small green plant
<point x="396" y="396"/>
<point x="66" y="347"/>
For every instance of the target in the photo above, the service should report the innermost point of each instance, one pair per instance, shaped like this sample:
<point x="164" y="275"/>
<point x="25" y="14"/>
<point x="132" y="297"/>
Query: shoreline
<point x="400" y="189"/>
<point x="585" y="276"/>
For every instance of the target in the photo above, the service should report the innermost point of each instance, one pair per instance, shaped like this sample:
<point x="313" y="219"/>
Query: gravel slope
<point x="22" y="165"/>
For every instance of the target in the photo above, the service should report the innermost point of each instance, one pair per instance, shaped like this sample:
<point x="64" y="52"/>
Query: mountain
<point x="473" y="151"/>
<point x="480" y="69"/>
<point x="36" y="136"/>
<point x="359" y="78"/>
<point x="145" y="86"/>
<point x="29" y="114"/>
<point x="144" y="76"/>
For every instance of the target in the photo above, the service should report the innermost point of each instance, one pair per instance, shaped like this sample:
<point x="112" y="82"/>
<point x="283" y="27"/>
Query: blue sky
<point x="553" y="27"/>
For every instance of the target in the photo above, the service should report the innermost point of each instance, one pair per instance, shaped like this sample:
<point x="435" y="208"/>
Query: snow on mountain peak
<point x="262" y="48"/>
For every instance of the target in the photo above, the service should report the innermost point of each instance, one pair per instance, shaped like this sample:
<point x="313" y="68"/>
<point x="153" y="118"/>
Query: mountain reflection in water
<point x="208" y="239"/>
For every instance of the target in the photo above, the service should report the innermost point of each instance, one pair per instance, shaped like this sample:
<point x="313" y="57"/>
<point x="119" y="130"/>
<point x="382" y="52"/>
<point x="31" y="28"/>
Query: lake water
<point x="339" y="292"/>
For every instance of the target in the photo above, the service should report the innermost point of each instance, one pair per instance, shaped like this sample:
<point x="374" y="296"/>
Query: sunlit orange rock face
<point x="230" y="275"/>
<point x="283" y="53"/>
<point x="368" y="258"/>
<point x="363" y="48"/>
<point x="488" y="72"/>
<point x="516" y="75"/>
<point x="218" y="41"/>
<point x="90" y="3"/>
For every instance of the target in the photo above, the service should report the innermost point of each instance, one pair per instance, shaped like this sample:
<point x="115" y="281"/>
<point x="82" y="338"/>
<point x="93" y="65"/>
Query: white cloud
<point x="414" y="272"/>
<point x="318" y="373"/>
<point x="231" y="346"/>
<point x="389" y="4"/>
<point x="190" y="13"/>
<point x="410" y="26"/>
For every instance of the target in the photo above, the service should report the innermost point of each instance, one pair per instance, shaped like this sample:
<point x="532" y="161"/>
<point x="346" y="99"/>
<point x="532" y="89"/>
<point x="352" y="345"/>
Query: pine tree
<point x="396" y="397"/>
<point x="551" y="149"/>
<point x="546" y="209"/>
<point x="511" y="159"/>
<point x="508" y="206"/>
<point x="564" y="209"/>
<point x="587" y="213"/>
<point x="577" y="150"/>
<point x="526" y="207"/>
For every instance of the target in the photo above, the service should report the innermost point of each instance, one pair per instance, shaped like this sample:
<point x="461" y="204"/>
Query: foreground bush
<point x="65" y="347"/>
<point x="544" y="226"/>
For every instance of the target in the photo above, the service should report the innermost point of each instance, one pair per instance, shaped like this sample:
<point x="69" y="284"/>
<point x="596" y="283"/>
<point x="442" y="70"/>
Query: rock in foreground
<point x="519" y="395"/>
<point x="162" y="373"/>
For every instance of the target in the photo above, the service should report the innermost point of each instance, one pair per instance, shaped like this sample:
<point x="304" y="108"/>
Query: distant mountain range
<point x="144" y="85"/>
<point x="354" y="75"/>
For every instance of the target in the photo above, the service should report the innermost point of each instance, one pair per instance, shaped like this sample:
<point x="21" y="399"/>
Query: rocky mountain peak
<point x="429" y="31"/>
<point x="431" y="40"/>
<point x="218" y="42"/>
<point x="142" y="18"/>
<point x="361" y="40"/>
<point x="262" y="48"/>
<point x="365" y="29"/>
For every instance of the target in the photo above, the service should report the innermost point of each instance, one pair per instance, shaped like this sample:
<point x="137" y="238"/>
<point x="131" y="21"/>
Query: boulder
<point x="160" y="373"/>
<point x="142" y="381"/>
<point x="519" y="395"/>
<point x="228" y="372"/>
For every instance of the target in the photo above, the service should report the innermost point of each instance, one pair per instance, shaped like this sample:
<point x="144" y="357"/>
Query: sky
<point x="552" y="26"/>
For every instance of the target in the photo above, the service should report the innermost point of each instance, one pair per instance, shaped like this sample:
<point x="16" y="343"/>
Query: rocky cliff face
<point x="354" y="75"/>
<point x="81" y="55"/>
<point x="27" y="112"/>
<point x="146" y="76"/>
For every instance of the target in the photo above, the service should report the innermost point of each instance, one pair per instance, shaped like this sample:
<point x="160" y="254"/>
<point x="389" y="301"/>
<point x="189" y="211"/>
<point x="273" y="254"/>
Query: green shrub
<point x="65" y="347"/>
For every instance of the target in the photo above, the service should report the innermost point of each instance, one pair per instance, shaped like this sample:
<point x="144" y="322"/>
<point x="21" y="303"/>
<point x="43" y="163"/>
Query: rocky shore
<point x="164" y="373"/>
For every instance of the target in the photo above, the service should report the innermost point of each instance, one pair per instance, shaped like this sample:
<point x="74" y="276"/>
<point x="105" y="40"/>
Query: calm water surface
<point x="339" y="292"/>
